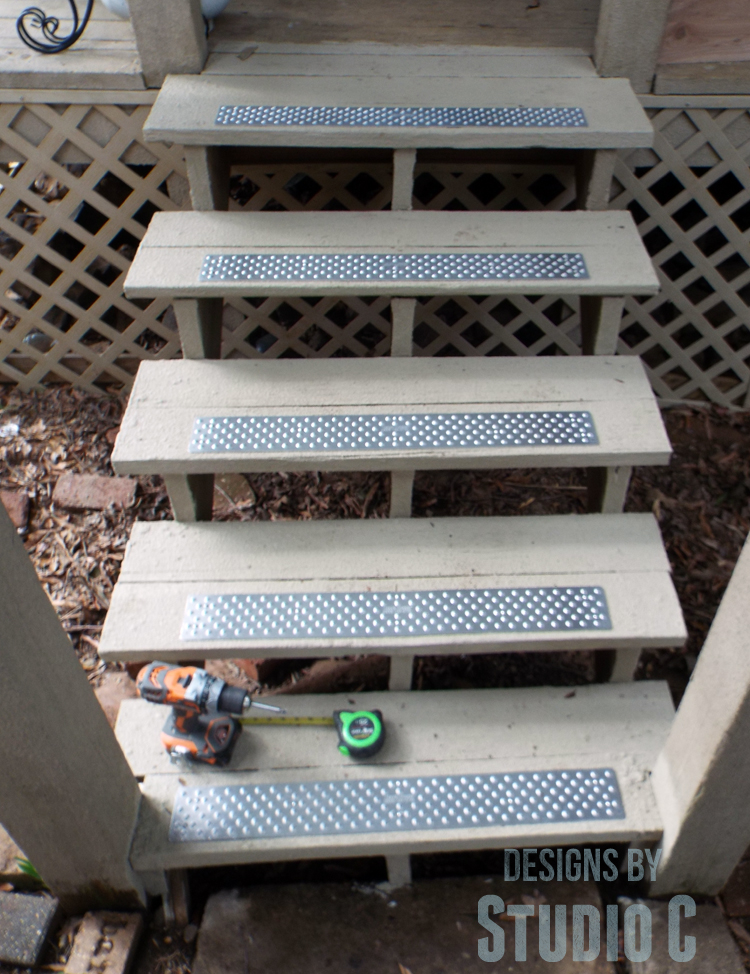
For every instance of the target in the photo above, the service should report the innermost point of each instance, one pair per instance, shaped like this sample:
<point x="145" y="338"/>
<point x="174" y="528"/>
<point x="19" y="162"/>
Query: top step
<point x="388" y="102"/>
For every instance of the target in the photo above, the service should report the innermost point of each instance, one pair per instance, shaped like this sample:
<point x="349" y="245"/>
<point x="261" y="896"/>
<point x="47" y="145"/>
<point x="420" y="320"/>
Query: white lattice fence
<point x="691" y="199"/>
<point x="80" y="186"/>
<point x="78" y="190"/>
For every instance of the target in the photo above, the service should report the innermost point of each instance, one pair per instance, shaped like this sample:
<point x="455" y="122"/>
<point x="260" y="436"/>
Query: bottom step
<point x="480" y="733"/>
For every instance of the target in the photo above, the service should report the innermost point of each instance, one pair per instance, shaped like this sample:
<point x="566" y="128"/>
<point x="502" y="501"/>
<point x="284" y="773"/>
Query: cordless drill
<point x="201" y="724"/>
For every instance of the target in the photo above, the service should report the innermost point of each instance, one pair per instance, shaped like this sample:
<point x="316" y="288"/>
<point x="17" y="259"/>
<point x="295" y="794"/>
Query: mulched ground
<point x="702" y="501"/>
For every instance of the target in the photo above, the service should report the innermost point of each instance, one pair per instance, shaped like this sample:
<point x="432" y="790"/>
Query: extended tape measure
<point x="361" y="732"/>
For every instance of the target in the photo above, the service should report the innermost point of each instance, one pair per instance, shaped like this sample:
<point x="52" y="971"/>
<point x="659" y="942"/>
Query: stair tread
<point x="616" y="262"/>
<point x="621" y="726"/>
<point x="167" y="563"/>
<point x="368" y="59"/>
<point x="168" y="397"/>
<point x="187" y="106"/>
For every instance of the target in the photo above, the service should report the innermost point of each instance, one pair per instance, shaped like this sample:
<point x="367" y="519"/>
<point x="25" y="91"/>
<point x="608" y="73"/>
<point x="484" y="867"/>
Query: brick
<point x="16" y="504"/>
<point x="105" y="943"/>
<point x="89" y="492"/>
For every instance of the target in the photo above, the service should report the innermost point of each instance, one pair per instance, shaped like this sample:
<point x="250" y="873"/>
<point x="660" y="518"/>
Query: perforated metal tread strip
<point x="415" y="431"/>
<point x="346" y="615"/>
<point x="394" y="804"/>
<point x="406" y="116"/>
<point x="455" y="266"/>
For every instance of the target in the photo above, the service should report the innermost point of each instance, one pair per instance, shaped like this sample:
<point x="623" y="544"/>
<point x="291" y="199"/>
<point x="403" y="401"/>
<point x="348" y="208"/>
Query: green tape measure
<point x="361" y="732"/>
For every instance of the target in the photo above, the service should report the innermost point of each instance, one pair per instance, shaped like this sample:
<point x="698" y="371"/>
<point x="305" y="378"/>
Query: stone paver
<point x="25" y="922"/>
<point x="428" y="928"/>
<point x="716" y="951"/>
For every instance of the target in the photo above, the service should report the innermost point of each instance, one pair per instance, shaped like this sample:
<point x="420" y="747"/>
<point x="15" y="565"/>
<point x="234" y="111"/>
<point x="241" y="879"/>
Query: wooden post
<point x="171" y="38"/>
<point x="68" y="797"/>
<point x="608" y="489"/>
<point x="594" y="171"/>
<point x="702" y="776"/>
<point x="404" y="161"/>
<point x="199" y="325"/>
<point x="600" y="324"/>
<point x="628" y="40"/>
<point x="399" y="871"/>
<point x="208" y="174"/>
<point x="402" y="332"/>
<point x="400" y="677"/>
<point x="191" y="495"/>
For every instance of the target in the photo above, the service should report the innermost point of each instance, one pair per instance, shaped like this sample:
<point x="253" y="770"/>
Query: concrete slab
<point x="25" y="922"/>
<point x="428" y="928"/>
<point x="716" y="950"/>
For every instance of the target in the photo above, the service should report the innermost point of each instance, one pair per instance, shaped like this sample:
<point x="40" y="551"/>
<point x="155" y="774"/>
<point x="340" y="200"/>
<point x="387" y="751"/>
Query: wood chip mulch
<point x="702" y="502"/>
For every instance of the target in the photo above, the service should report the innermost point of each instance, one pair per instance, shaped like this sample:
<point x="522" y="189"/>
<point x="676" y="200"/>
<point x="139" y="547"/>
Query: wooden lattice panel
<point x="78" y="189"/>
<point x="690" y="196"/>
<point x="357" y="326"/>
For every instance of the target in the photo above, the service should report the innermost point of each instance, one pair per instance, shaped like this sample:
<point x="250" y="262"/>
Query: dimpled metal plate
<point x="377" y="615"/>
<point x="407" y="116"/>
<point x="470" y="801"/>
<point x="388" y="268"/>
<point x="421" y="431"/>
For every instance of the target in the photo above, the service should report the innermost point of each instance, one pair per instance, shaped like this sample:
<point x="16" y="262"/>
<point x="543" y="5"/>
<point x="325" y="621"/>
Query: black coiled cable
<point x="51" y="42"/>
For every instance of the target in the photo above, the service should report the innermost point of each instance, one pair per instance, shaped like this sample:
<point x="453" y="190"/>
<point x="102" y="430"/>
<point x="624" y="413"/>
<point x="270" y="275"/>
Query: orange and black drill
<point x="201" y="724"/>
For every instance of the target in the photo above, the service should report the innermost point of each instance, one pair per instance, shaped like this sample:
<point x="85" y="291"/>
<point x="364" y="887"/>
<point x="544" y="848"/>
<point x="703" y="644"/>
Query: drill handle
<point x="150" y="683"/>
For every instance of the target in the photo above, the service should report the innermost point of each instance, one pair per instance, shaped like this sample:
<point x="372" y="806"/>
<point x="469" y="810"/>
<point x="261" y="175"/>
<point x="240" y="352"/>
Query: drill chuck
<point x="233" y="700"/>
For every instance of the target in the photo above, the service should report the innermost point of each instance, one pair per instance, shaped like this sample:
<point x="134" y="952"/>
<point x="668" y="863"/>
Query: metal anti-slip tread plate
<point x="407" y="431"/>
<point x="351" y="615"/>
<point x="389" y="268"/>
<point x="407" y="116"/>
<point x="394" y="804"/>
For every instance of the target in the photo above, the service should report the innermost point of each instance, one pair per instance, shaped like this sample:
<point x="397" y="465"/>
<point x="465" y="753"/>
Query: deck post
<point x="628" y="39"/>
<point x="702" y="776"/>
<point x="171" y="38"/>
<point x="68" y="797"/>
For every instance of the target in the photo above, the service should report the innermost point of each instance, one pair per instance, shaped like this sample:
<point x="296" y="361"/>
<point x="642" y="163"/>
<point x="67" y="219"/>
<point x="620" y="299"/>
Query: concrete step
<point x="462" y="734"/>
<point x="389" y="102"/>
<point x="204" y="255"/>
<point x="192" y="417"/>
<point x="399" y="587"/>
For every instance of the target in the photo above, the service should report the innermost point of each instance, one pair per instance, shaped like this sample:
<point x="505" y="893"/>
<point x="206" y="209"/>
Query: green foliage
<point x="29" y="869"/>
